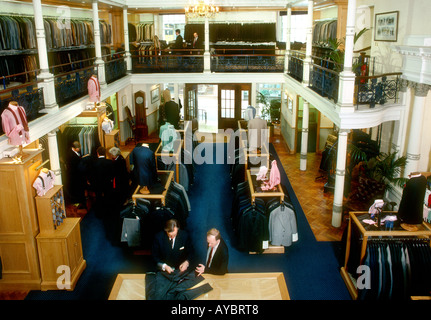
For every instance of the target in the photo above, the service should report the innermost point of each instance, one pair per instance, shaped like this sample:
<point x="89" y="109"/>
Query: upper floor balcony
<point x="370" y="91"/>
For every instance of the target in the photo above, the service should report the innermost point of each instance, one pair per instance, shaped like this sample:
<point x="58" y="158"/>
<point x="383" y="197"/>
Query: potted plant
<point x="378" y="175"/>
<point x="270" y="111"/>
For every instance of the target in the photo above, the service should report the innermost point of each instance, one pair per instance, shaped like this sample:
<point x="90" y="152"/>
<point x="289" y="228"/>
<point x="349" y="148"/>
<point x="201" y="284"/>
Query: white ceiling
<point x="180" y="4"/>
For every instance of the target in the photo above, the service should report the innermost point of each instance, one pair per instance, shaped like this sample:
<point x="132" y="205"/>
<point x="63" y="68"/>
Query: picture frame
<point x="290" y="104"/>
<point x="386" y="26"/>
<point x="155" y="95"/>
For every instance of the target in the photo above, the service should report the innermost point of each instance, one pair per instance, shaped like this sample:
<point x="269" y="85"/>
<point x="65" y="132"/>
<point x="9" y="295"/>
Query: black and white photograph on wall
<point x="155" y="95"/>
<point x="386" y="26"/>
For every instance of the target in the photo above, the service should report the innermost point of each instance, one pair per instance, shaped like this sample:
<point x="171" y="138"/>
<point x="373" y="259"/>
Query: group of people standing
<point x="109" y="179"/>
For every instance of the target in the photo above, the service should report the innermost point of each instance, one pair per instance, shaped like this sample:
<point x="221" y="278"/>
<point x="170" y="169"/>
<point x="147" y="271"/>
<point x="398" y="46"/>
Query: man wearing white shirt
<point x="217" y="257"/>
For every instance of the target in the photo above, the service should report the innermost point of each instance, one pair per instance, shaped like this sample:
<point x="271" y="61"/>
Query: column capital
<point x="421" y="89"/>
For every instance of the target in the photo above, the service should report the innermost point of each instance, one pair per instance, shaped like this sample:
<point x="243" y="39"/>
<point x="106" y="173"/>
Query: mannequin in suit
<point x="411" y="206"/>
<point x="143" y="166"/>
<point x="172" y="248"/>
<point x="217" y="255"/>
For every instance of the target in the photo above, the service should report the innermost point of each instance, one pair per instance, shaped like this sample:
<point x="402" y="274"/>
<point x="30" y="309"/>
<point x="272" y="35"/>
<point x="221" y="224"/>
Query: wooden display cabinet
<point x="59" y="241"/>
<point x="51" y="209"/>
<point x="18" y="222"/>
<point x="112" y="139"/>
<point x="58" y="250"/>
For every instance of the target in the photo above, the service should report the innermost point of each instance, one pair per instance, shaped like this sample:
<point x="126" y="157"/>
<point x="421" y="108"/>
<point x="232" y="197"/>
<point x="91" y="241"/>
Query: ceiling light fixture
<point x="201" y="8"/>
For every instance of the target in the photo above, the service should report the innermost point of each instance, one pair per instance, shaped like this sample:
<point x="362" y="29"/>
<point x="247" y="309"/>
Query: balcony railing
<point x="378" y="89"/>
<point x="28" y="95"/>
<point x="324" y="77"/>
<point x="296" y="65"/>
<point x="167" y="61"/>
<point x="247" y="60"/>
<point x="72" y="85"/>
<point x="115" y="66"/>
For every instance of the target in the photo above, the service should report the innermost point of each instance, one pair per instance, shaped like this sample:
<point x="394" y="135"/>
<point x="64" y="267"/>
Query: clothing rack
<point x="423" y="233"/>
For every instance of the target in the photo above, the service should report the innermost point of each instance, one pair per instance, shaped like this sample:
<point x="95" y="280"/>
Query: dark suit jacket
<point x="220" y="260"/>
<point x="75" y="178"/>
<point x="172" y="113"/>
<point x="173" y="257"/>
<point x="411" y="206"/>
<point x="197" y="44"/>
<point x="178" y="42"/>
<point x="121" y="178"/>
<point x="103" y="175"/>
<point x="144" y="162"/>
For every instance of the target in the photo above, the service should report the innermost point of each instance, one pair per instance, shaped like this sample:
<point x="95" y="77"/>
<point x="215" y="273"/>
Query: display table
<point x="231" y="286"/>
<point x="165" y="178"/>
<point x="169" y="155"/>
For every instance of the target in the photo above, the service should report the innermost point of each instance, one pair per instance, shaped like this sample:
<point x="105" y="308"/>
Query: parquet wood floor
<point x="316" y="204"/>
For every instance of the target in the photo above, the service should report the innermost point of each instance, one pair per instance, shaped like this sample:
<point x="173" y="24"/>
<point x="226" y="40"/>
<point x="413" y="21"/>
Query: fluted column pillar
<point x="126" y="40"/>
<point x="346" y="86"/>
<point x="309" y="44"/>
<point x="400" y="127"/>
<point x="48" y="83"/>
<point x="98" y="45"/>
<point x="207" y="55"/>
<point x="304" y="136"/>
<point x="416" y="125"/>
<point x="288" y="31"/>
<point x="337" y="206"/>
<point x="54" y="158"/>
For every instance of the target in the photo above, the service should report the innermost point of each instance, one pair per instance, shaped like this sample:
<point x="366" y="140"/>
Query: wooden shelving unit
<point x="423" y="231"/>
<point x="59" y="241"/>
<point x="166" y="178"/>
<point x="251" y="173"/>
<point x="176" y="154"/>
<point x="18" y="222"/>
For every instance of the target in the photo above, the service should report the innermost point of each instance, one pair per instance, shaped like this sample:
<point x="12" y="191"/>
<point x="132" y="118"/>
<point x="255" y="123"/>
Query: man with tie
<point x="75" y="182"/>
<point x="217" y="255"/>
<point x="172" y="248"/>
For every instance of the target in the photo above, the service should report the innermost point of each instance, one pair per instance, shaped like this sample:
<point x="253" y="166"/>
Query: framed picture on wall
<point x="386" y="26"/>
<point x="155" y="95"/>
<point x="289" y="104"/>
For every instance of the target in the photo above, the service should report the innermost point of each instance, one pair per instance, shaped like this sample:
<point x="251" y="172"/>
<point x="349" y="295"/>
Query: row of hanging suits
<point x="324" y="30"/>
<point x="144" y="219"/>
<point x="399" y="269"/>
<point x="17" y="33"/>
<point x="16" y="64"/>
<point x="186" y="168"/>
<point x="141" y="32"/>
<point x="264" y="220"/>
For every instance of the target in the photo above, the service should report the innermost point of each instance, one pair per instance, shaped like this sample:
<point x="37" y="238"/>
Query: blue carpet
<point x="311" y="268"/>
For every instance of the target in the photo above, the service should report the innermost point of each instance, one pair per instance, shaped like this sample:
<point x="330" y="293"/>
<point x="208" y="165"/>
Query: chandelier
<point x="201" y="8"/>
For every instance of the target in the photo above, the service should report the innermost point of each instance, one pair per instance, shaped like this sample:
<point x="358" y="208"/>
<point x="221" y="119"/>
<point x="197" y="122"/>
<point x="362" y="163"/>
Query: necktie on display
<point x="209" y="257"/>
<point x="171" y="241"/>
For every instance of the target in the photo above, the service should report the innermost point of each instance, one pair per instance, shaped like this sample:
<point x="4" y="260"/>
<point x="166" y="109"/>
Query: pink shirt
<point x="14" y="124"/>
<point x="274" y="177"/>
<point x="93" y="89"/>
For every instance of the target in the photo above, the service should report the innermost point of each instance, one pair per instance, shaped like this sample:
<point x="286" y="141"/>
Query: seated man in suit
<point x="172" y="248"/>
<point x="217" y="255"/>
